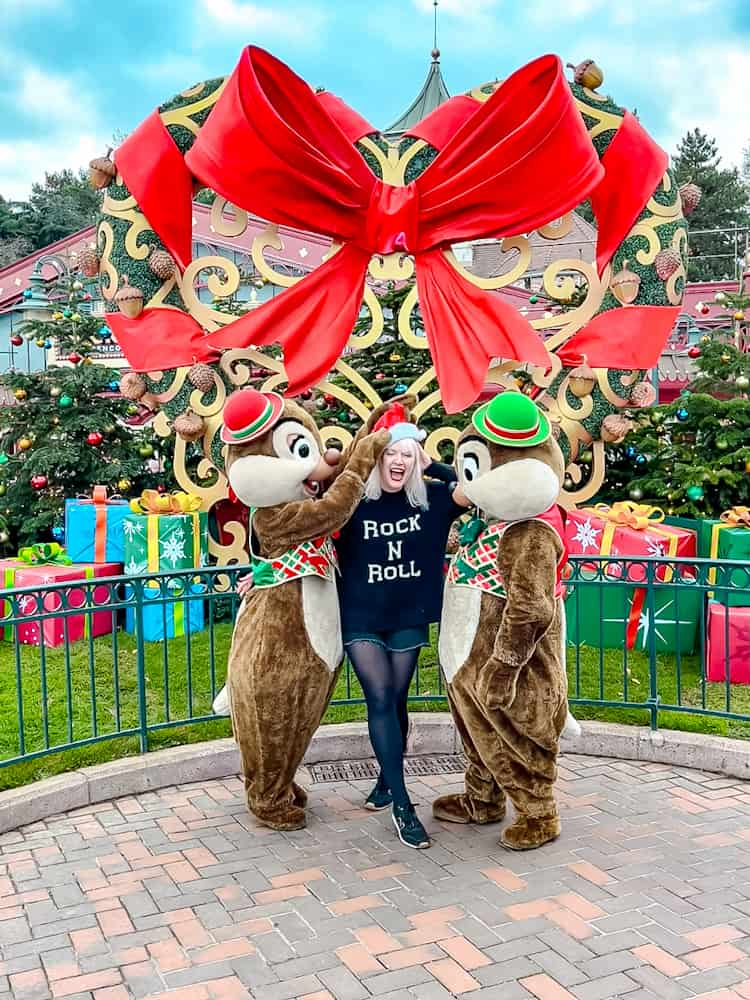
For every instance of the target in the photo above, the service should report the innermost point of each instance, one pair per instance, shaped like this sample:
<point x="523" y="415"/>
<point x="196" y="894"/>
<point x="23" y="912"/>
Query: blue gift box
<point x="172" y="615"/>
<point x="94" y="528"/>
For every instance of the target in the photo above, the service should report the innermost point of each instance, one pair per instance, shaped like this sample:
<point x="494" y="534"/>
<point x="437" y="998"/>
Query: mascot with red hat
<point x="287" y="645"/>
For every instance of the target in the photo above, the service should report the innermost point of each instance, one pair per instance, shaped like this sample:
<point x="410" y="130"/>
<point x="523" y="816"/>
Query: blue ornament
<point x="27" y="293"/>
<point x="640" y="459"/>
<point x="685" y="392"/>
<point x="48" y="344"/>
<point x="58" y="533"/>
<point x="682" y="414"/>
<point x="113" y="386"/>
<point x="630" y="451"/>
<point x="104" y="332"/>
<point x="401" y="388"/>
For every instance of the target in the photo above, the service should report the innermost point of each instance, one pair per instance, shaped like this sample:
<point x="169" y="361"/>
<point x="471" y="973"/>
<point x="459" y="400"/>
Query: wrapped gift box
<point x="614" y="615"/>
<point x="728" y="643"/>
<point x="728" y="538"/>
<point x="94" y="528"/>
<point x="166" y="615"/>
<point x="67" y="626"/>
<point x="617" y="616"/>
<point x="8" y="568"/>
<point x="169" y="533"/>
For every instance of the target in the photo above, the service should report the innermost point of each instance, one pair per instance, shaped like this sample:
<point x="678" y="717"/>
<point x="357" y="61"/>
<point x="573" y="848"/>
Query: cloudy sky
<point x="74" y="73"/>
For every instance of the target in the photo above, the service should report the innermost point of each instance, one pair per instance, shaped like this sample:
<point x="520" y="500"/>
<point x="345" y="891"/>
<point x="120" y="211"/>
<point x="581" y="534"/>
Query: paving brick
<point x="715" y="957"/>
<point x="86" y="984"/>
<point x="544" y="987"/>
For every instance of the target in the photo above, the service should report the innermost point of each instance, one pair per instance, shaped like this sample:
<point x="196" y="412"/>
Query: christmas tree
<point x="68" y="430"/>
<point x="692" y="457"/>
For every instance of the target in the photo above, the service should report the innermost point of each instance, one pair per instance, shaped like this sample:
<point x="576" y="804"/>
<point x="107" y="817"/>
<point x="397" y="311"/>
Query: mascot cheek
<point x="266" y="480"/>
<point x="515" y="491"/>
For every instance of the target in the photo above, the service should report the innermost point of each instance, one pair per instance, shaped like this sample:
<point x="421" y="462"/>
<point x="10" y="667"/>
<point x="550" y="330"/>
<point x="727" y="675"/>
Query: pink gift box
<point x="66" y="627"/>
<point x="738" y="632"/>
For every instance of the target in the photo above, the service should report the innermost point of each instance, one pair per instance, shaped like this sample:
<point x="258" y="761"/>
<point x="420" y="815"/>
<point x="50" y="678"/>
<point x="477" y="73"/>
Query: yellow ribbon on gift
<point x="735" y="517"/>
<point x="639" y="517"/>
<point x="151" y="502"/>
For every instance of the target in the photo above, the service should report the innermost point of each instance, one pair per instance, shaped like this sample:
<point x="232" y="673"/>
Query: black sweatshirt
<point x="391" y="558"/>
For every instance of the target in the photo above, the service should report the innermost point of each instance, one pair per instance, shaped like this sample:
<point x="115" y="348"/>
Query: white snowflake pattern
<point x="587" y="535"/>
<point x="660" y="620"/>
<point x="655" y="548"/>
<point x="26" y="604"/>
<point x="133" y="568"/>
<point x="173" y="548"/>
<point x="132" y="529"/>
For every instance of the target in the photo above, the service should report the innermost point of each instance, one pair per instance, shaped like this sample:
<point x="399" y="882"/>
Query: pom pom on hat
<point x="394" y="420"/>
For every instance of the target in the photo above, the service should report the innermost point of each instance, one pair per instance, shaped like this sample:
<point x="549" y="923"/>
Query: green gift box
<point x="617" y="616"/>
<point x="162" y="542"/>
<point x="728" y="537"/>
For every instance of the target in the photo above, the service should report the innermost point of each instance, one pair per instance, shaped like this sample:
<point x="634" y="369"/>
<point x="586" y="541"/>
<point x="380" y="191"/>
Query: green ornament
<point x="534" y="299"/>
<point x="65" y="401"/>
<point x="145" y="451"/>
<point x="343" y="415"/>
<point x="67" y="313"/>
<point x="587" y="456"/>
<point x="722" y="444"/>
<point x="742" y="382"/>
<point x="131" y="410"/>
<point x="694" y="493"/>
<point x="2" y="489"/>
<point x="3" y="458"/>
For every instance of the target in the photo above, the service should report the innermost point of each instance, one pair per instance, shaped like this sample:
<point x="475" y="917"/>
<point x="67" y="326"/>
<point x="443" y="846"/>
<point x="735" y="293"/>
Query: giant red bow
<point x="522" y="159"/>
<point x="513" y="163"/>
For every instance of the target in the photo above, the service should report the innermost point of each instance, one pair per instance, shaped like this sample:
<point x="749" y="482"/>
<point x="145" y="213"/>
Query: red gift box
<point x="632" y="530"/>
<point x="8" y="570"/>
<point x="67" y="626"/>
<point x="732" y="624"/>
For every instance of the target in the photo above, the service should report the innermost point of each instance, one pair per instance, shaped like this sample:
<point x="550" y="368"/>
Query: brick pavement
<point x="180" y="894"/>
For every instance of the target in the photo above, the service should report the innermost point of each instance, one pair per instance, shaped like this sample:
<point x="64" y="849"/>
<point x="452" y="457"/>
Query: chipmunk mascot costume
<point x="502" y="631"/>
<point x="286" y="647"/>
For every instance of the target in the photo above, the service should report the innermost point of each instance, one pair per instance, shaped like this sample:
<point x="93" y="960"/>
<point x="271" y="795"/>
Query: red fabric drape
<point x="632" y="337"/>
<point x="161" y="338"/>
<point x="523" y="158"/>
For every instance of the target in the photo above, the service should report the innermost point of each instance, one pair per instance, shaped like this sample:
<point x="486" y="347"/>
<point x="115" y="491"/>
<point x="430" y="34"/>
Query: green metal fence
<point x="96" y="660"/>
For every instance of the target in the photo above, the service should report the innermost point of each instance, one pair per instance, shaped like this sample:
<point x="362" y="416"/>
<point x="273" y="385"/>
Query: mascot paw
<point x="299" y="795"/>
<point x="461" y="808"/>
<point x="496" y="688"/>
<point x="283" y="818"/>
<point x="571" y="729"/>
<point x="529" y="832"/>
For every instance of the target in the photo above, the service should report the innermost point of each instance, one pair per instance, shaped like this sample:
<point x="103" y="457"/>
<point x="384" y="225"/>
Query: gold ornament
<point x="123" y="485"/>
<point x="739" y="316"/>
<point x="87" y="361"/>
<point x="129" y="299"/>
<point x="57" y="315"/>
<point x="394" y="358"/>
<point x="132" y="386"/>
<point x="690" y="195"/>
<point x="587" y="74"/>
<point x="625" y="285"/>
<point x="40" y="342"/>
<point x="189" y="425"/>
<point x="55" y="391"/>
<point x="582" y="380"/>
<point x="20" y="393"/>
<point x="747" y="466"/>
<point x="726" y="358"/>
<point x="25" y="443"/>
<point x="102" y="171"/>
<point x="705" y="339"/>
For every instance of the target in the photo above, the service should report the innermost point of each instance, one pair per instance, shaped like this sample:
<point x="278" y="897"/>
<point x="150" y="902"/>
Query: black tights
<point x="385" y="678"/>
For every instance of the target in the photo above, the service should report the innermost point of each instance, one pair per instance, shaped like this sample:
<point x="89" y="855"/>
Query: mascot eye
<point x="300" y="447"/>
<point x="470" y="467"/>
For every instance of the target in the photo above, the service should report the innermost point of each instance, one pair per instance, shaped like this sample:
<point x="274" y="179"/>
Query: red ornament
<point x="307" y="394"/>
<point x="379" y="376"/>
<point x="329" y="398"/>
<point x="16" y="340"/>
<point x="95" y="438"/>
<point x="74" y="358"/>
<point x="39" y="482"/>
<point x="694" y="352"/>
<point x="161" y="488"/>
<point x="705" y="309"/>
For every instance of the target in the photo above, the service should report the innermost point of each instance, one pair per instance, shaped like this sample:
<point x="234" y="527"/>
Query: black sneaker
<point x="410" y="831"/>
<point x="379" y="798"/>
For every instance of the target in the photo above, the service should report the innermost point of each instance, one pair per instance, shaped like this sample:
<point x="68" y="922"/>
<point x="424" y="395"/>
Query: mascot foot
<point x="461" y="808"/>
<point x="284" y="818"/>
<point x="529" y="832"/>
<point x="221" y="703"/>
<point x="571" y="729"/>
<point x="299" y="795"/>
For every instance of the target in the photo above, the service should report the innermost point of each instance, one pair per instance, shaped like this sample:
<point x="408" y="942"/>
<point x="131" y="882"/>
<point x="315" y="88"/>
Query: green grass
<point x="71" y="716"/>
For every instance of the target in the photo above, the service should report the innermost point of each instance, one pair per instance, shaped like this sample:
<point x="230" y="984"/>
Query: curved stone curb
<point x="431" y="733"/>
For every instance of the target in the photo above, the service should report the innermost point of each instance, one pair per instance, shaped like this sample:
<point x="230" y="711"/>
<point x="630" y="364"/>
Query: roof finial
<point x="435" y="49"/>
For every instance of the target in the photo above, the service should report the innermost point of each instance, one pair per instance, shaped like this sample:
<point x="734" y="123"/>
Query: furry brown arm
<point x="528" y="559"/>
<point x="407" y="401"/>
<point x="280" y="528"/>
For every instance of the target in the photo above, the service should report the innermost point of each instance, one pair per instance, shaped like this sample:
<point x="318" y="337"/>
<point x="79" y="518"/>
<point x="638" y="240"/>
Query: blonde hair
<point x="414" y="487"/>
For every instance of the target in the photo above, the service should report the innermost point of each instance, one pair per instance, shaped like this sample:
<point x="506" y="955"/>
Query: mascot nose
<point x="332" y="456"/>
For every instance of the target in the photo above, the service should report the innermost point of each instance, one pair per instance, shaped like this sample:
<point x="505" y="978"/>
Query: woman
<point x="390" y="590"/>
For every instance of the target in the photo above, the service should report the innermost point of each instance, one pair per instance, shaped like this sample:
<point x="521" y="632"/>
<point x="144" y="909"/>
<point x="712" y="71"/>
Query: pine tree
<point x="692" y="456"/>
<point x="723" y="205"/>
<point x="67" y="431"/>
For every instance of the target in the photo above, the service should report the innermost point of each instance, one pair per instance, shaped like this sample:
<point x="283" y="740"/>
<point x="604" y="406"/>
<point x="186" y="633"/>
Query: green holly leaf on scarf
<point x="470" y="531"/>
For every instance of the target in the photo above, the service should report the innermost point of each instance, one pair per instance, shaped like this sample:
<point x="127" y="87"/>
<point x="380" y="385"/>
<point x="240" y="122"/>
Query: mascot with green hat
<point x="502" y="632"/>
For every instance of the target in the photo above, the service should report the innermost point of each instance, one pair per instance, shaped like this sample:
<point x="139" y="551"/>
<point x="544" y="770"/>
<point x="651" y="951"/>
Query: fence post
<point x="653" y="683"/>
<point x="140" y="665"/>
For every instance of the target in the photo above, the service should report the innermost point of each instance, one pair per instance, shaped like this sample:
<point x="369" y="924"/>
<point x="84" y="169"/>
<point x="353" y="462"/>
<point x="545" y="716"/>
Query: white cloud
<point x="22" y="162"/>
<point x="302" y="24"/>
<point x="460" y="8"/>
<point x="51" y="97"/>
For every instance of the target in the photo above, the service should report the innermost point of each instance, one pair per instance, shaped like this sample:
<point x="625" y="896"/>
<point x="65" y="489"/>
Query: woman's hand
<point x="245" y="584"/>
<point x="424" y="459"/>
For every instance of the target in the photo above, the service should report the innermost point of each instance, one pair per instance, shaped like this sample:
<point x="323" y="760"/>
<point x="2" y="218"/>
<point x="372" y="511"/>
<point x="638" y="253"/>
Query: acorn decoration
<point x="89" y="261"/>
<point x="129" y="299"/>
<point x="102" y="171"/>
<point x="614" y="428"/>
<point x="643" y="394"/>
<point x="625" y="285"/>
<point x="587" y="74"/>
<point x="162" y="264"/>
<point x="666" y="263"/>
<point x="690" y="195"/>
<point x="582" y="380"/>
<point x="201" y="376"/>
<point x="189" y="425"/>
<point x="132" y="385"/>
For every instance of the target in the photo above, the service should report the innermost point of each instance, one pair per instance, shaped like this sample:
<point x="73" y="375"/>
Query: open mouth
<point x="312" y="487"/>
<point x="397" y="475"/>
